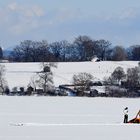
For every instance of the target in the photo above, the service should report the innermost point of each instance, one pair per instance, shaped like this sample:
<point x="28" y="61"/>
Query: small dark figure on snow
<point x="125" y="115"/>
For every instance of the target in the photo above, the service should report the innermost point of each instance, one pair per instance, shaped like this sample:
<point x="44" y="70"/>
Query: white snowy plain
<point x="67" y="118"/>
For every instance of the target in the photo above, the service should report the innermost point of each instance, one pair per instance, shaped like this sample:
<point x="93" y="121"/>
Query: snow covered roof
<point x="100" y="89"/>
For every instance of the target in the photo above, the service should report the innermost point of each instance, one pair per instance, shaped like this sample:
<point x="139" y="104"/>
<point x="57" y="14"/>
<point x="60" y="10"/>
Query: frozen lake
<point x="66" y="118"/>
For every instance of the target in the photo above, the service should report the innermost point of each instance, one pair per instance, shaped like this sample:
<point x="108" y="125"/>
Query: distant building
<point x="67" y="90"/>
<point x="95" y="59"/>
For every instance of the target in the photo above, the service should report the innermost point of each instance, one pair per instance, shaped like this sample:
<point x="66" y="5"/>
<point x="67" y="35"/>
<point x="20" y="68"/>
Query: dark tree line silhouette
<point x="83" y="48"/>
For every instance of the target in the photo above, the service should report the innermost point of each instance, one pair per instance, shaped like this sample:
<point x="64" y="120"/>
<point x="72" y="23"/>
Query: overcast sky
<point x="115" y="20"/>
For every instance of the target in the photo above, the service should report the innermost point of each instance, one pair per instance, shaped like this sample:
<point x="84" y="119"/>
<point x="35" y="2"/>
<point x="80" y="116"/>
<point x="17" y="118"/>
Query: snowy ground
<point x="19" y="74"/>
<point x="66" y="118"/>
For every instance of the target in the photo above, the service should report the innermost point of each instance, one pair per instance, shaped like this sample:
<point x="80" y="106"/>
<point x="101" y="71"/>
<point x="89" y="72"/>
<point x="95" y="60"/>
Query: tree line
<point x="83" y="48"/>
<point x="118" y="84"/>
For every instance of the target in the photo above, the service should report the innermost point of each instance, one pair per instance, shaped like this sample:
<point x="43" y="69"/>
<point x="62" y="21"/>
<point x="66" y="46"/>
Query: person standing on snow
<point x="125" y="111"/>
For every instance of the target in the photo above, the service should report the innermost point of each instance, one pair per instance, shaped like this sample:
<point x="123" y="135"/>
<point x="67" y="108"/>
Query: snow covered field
<point x="66" y="118"/>
<point x="19" y="74"/>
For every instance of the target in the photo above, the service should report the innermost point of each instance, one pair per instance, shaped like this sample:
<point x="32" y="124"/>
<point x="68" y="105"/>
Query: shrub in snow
<point x="115" y="91"/>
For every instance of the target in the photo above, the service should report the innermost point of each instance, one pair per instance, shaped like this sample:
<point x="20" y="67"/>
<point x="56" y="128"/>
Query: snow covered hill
<point x="19" y="74"/>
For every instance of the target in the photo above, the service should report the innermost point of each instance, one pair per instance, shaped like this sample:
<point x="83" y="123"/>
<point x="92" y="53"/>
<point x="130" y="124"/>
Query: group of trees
<point x="42" y="80"/>
<point x="124" y="84"/>
<point x="119" y="84"/>
<point x="130" y="79"/>
<point x="31" y="51"/>
<point x="83" y="48"/>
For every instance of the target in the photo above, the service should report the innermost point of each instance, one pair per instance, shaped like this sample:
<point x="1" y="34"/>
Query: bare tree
<point x="134" y="52"/>
<point x="1" y="53"/>
<point x="3" y="82"/>
<point x="118" y="74"/>
<point x="133" y="77"/>
<point x="81" y="82"/>
<point x="56" y="49"/>
<point x="33" y="83"/>
<point x="119" y="53"/>
<point x="59" y="50"/>
<point x="116" y="77"/>
<point x="102" y="48"/>
<point x="86" y="47"/>
<point x="45" y="77"/>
